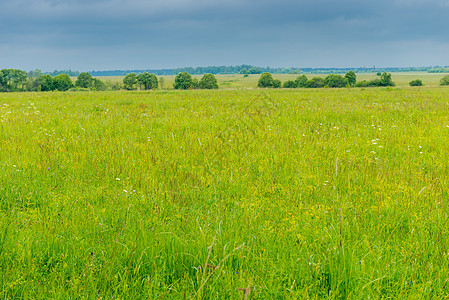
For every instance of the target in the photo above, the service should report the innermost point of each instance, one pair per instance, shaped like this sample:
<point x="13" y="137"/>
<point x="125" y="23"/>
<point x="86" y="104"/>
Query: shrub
<point x="335" y="81"/>
<point x="183" y="81"/>
<point x="351" y="78"/>
<point x="289" y="84"/>
<point x="130" y="81"/>
<point x="208" y="82"/>
<point x="63" y="82"/>
<point x="301" y="81"/>
<point x="444" y="80"/>
<point x="385" y="80"/>
<point x="416" y="82"/>
<point x="265" y="80"/>
<point x="277" y="83"/>
<point x="315" y="82"/>
<point x="84" y="80"/>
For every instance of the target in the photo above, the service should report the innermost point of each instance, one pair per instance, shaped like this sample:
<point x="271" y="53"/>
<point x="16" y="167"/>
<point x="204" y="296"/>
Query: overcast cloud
<point x="134" y="34"/>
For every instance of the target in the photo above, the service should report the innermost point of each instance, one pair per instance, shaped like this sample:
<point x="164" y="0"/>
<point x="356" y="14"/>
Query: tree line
<point x="266" y="80"/>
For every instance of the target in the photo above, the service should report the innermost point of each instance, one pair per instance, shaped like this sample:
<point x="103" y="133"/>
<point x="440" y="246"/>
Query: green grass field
<point x="272" y="194"/>
<point x="237" y="81"/>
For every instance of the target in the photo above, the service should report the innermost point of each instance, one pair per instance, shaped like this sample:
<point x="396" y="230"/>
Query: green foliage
<point x="12" y="80"/>
<point x="45" y="83"/>
<point x="444" y="80"/>
<point x="277" y="83"/>
<point x="315" y="82"/>
<point x="183" y="81"/>
<point x="385" y="80"/>
<point x="289" y="84"/>
<point x="351" y="77"/>
<point x="378" y="73"/>
<point x="208" y="81"/>
<point x="84" y="80"/>
<point x="255" y="70"/>
<point x="301" y="81"/>
<point x="416" y="82"/>
<point x="147" y="81"/>
<point x="63" y="82"/>
<point x="129" y="81"/>
<point x="335" y="81"/>
<point x="265" y="81"/>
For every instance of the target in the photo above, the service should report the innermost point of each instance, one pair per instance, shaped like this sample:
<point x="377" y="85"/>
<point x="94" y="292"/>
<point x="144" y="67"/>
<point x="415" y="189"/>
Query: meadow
<point x="225" y="194"/>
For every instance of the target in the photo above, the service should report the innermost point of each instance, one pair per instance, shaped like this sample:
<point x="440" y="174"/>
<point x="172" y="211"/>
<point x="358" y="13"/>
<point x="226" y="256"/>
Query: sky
<point x="89" y="35"/>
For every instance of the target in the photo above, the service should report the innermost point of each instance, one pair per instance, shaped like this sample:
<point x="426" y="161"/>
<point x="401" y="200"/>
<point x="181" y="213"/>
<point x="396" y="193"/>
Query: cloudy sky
<point x="137" y="34"/>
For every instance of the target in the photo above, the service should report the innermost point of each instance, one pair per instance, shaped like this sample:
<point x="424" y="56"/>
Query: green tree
<point x="145" y="81"/>
<point x="351" y="78"/>
<point x="129" y="81"/>
<point x="444" y="80"/>
<point x="301" y="81"/>
<point x="385" y="79"/>
<point x="63" y="82"/>
<point x="289" y="84"/>
<point x="45" y="83"/>
<point x="254" y="70"/>
<point x="416" y="82"/>
<point x="84" y="80"/>
<point x="98" y="85"/>
<point x="315" y="82"/>
<point x="277" y="83"/>
<point x="335" y="81"/>
<point x="208" y="82"/>
<point x="266" y="80"/>
<point x="183" y="81"/>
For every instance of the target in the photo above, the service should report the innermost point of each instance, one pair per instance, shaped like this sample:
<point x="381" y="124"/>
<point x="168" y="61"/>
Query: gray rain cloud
<point x="111" y="34"/>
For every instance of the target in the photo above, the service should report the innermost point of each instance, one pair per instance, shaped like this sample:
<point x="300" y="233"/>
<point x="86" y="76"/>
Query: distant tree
<point x="195" y="83"/>
<point x="444" y="80"/>
<point x="351" y="78"/>
<point x="208" y="82"/>
<point x="35" y="74"/>
<point x="265" y="80"/>
<point x="243" y="71"/>
<point x="63" y="82"/>
<point x="3" y="81"/>
<point x="84" y="80"/>
<point x="289" y="84"/>
<point x="254" y="70"/>
<point x="315" y="82"/>
<point x="98" y="85"/>
<point x="301" y="81"/>
<point x="13" y="79"/>
<point x="416" y="82"/>
<point x="45" y="83"/>
<point x="277" y="83"/>
<point x="379" y="74"/>
<point x="335" y="81"/>
<point x="183" y="81"/>
<point x="161" y="82"/>
<point x="146" y="81"/>
<point x="129" y="81"/>
<point x="385" y="79"/>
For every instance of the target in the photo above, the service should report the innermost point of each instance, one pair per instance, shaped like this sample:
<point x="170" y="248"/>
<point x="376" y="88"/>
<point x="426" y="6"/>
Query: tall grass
<point x="225" y="194"/>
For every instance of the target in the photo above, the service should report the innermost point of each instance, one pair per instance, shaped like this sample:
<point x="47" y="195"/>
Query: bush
<point x="129" y="81"/>
<point x="315" y="82"/>
<point x="335" y="81"/>
<point x="351" y="78"/>
<point x="63" y="82"/>
<point x="277" y="83"/>
<point x="416" y="82"/>
<point x="301" y="81"/>
<point x="385" y="80"/>
<point x="289" y="84"/>
<point x="183" y="81"/>
<point x="444" y="80"/>
<point x="84" y="80"/>
<point x="208" y="82"/>
<point x="265" y="80"/>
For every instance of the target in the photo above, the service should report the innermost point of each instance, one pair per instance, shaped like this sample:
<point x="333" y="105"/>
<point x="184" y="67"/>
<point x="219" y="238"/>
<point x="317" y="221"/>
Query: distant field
<point x="240" y="82"/>
<point x="279" y="194"/>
